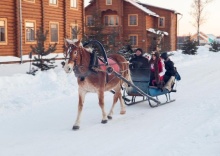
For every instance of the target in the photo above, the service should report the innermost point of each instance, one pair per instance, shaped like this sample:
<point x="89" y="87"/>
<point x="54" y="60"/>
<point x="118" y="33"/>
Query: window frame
<point x="115" y="18"/>
<point x="92" y="24"/>
<point x="76" y="2"/>
<point x="34" y="41"/>
<point x="50" y="32"/>
<point x="108" y="2"/>
<point x="52" y="4"/>
<point x="129" y="19"/>
<point x="133" y="35"/>
<point x="6" y="31"/>
<point x="71" y="28"/>
<point x="163" y="23"/>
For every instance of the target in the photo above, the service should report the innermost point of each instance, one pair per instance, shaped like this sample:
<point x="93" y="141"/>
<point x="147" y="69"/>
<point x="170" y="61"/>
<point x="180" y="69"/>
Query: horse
<point x="95" y="81"/>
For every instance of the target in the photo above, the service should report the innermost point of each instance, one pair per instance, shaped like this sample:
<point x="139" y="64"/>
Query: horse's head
<point x="72" y="54"/>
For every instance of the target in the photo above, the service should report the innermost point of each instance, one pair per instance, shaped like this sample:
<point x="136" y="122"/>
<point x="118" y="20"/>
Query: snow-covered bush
<point x="215" y="47"/>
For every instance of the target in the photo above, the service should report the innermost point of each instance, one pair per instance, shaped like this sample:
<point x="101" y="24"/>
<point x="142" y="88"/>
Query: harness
<point x="96" y="64"/>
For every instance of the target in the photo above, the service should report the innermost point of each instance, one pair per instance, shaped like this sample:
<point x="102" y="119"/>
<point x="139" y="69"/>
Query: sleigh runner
<point x="141" y="79"/>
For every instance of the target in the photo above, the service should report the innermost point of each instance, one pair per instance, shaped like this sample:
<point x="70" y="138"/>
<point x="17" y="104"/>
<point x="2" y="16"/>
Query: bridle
<point x="78" y="65"/>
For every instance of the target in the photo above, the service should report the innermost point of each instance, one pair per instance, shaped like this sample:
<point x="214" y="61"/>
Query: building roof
<point x="141" y="7"/>
<point x="211" y="36"/>
<point x="206" y="37"/>
<point x="136" y="4"/>
<point x="141" y="3"/>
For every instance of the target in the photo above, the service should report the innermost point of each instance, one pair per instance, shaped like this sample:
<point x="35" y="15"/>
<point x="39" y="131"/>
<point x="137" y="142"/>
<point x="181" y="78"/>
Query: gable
<point x="147" y="11"/>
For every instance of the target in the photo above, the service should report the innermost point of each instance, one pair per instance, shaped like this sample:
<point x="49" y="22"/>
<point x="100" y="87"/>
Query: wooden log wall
<point x="140" y="29"/>
<point x="170" y="25"/>
<point x="42" y="13"/>
<point x="8" y="12"/>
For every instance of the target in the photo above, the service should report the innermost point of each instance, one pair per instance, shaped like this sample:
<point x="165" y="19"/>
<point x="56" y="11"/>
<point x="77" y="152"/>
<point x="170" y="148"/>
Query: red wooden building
<point x="20" y="19"/>
<point x="138" y="22"/>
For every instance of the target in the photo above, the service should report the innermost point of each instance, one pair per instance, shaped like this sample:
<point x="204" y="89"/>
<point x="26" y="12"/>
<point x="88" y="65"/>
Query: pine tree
<point x="189" y="47"/>
<point x="126" y="50"/>
<point x="39" y="49"/>
<point x="215" y="47"/>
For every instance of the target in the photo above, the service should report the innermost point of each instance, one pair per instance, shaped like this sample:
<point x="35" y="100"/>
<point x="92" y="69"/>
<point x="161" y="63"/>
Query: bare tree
<point x="198" y="14"/>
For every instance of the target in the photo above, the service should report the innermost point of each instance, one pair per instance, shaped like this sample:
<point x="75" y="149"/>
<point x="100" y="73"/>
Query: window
<point x="89" y="21"/>
<point x="53" y="2"/>
<point x="111" y="20"/>
<point x="74" y="31"/>
<point x="30" y="31"/>
<point x="3" y="31"/>
<point x="108" y="2"/>
<point x="54" y="27"/>
<point x="161" y="22"/>
<point x="73" y="3"/>
<point x="132" y="20"/>
<point x="133" y="39"/>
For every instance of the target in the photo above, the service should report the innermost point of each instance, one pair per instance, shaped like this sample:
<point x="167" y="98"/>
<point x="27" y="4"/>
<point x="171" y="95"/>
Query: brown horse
<point x="95" y="81"/>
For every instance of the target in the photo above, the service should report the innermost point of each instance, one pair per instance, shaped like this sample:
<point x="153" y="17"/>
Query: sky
<point x="212" y="11"/>
<point x="37" y="114"/>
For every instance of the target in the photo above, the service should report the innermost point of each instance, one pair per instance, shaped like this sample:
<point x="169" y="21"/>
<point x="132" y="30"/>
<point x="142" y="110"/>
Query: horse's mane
<point x="90" y="50"/>
<point x="73" y="41"/>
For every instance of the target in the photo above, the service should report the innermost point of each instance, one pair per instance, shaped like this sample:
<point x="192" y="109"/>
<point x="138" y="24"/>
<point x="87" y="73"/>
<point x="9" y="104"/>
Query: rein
<point x="76" y="68"/>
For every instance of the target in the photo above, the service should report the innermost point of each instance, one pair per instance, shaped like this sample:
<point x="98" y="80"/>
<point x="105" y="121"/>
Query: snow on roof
<point x="157" y="31"/>
<point x="159" y="7"/>
<point x="134" y="2"/>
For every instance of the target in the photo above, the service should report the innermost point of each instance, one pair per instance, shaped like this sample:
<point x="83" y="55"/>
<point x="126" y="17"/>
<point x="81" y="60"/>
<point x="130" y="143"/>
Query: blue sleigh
<point x="141" y="79"/>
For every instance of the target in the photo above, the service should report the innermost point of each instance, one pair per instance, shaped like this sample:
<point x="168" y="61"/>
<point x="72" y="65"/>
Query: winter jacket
<point x="139" y="62"/>
<point x="160" y="66"/>
<point x="169" y="66"/>
<point x="170" y="71"/>
<point x="156" y="72"/>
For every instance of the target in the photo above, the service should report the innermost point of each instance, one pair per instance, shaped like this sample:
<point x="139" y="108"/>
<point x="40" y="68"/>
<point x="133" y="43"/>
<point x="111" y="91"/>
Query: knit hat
<point x="139" y="50"/>
<point x="164" y="55"/>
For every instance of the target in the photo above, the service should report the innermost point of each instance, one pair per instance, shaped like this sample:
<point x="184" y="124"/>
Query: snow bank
<point x="37" y="113"/>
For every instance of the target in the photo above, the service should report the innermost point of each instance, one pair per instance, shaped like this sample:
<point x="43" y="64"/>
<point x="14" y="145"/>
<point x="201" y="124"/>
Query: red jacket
<point x="157" y="73"/>
<point x="160" y="66"/>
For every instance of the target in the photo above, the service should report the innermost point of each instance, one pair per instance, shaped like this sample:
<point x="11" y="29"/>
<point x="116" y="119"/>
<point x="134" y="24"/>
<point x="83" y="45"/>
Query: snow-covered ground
<point x="38" y="112"/>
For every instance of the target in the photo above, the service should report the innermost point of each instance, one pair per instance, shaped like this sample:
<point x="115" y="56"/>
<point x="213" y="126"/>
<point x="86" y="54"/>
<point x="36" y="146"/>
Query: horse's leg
<point x="101" y="104"/>
<point x="123" y="107"/>
<point x="117" y="96"/>
<point x="80" y="107"/>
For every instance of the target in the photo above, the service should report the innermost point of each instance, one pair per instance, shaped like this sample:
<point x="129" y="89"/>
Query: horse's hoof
<point x="109" y="117"/>
<point x="75" y="127"/>
<point x="104" y="121"/>
<point x="122" y="112"/>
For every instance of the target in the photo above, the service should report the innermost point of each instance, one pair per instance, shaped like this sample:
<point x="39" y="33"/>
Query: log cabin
<point x="20" y="19"/>
<point x="145" y="26"/>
